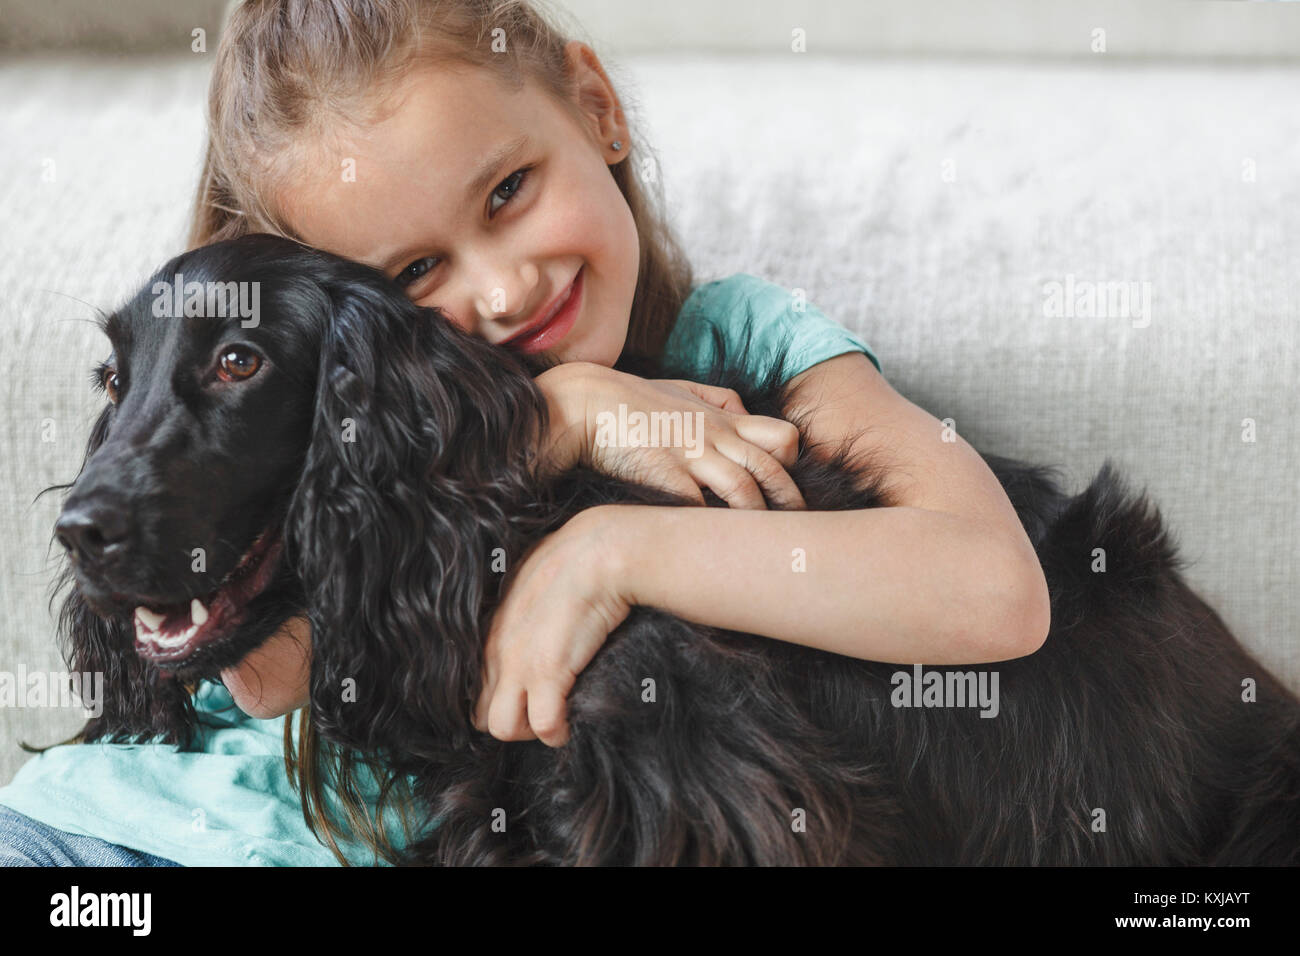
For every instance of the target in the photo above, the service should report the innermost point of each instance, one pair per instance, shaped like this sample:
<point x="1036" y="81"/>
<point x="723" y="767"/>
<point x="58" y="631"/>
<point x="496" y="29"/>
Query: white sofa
<point x="929" y="204"/>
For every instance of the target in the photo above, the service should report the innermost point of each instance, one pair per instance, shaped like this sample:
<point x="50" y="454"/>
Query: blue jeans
<point x="28" y="842"/>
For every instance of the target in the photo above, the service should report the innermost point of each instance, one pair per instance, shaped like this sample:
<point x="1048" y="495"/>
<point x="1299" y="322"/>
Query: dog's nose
<point x="89" y="530"/>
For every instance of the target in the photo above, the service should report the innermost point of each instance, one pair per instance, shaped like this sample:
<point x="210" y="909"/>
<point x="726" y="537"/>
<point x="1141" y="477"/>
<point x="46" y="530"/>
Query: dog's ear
<point x="419" y="469"/>
<point x="138" y="703"/>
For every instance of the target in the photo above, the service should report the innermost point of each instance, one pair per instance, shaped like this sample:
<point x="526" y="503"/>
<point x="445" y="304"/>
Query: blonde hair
<point x="286" y="73"/>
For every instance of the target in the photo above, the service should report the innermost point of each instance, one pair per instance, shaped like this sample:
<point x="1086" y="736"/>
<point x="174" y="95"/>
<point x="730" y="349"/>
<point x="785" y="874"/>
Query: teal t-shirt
<point x="781" y="323"/>
<point x="231" y="803"/>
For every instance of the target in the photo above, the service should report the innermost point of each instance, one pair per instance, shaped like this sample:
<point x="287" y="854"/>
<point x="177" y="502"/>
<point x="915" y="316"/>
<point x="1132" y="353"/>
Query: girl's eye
<point x="237" y="364"/>
<point x="416" y="270"/>
<point x="511" y="185"/>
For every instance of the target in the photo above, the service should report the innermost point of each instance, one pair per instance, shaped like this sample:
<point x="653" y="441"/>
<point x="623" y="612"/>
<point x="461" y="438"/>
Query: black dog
<point x="356" y="457"/>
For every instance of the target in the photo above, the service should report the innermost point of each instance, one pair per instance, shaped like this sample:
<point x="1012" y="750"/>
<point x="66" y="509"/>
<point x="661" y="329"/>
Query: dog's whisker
<point x="100" y="315"/>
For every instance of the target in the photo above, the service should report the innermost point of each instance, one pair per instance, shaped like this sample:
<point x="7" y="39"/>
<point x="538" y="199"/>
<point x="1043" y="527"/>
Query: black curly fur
<point x="1134" y="704"/>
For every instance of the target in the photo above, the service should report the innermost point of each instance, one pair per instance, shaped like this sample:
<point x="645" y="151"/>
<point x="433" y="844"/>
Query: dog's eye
<point x="108" y="378"/>
<point x="237" y="364"/>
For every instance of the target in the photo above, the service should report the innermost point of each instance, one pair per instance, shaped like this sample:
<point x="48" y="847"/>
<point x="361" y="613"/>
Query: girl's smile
<point x="548" y="328"/>
<point x="490" y="203"/>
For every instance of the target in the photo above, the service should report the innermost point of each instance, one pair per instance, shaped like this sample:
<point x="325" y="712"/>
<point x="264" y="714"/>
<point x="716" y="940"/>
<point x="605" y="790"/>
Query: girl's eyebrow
<point x="486" y="175"/>
<point x="490" y="164"/>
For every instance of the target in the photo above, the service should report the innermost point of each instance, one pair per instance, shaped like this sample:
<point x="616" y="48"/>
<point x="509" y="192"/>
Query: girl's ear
<point x="137" y="702"/>
<point x="416" y="473"/>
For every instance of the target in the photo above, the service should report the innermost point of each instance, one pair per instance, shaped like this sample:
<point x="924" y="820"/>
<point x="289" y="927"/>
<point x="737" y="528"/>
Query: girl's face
<point x="490" y="204"/>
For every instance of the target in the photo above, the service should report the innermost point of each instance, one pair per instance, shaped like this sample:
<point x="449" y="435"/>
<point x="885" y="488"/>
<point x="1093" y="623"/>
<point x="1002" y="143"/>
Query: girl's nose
<point x="503" y="297"/>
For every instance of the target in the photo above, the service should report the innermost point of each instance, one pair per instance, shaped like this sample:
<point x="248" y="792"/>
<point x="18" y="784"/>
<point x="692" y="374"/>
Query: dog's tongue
<point x="173" y="632"/>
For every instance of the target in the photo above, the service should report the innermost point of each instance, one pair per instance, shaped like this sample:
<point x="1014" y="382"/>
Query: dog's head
<point x="288" y="434"/>
<point x="176" y="520"/>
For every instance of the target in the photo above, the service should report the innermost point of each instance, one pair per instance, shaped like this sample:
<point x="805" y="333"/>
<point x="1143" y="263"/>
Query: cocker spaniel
<point x="288" y="434"/>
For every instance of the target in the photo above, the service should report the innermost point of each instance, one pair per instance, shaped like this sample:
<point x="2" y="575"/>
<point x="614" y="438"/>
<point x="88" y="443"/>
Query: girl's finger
<point x="777" y="485"/>
<point x="730" y="481"/>
<point x="546" y="715"/>
<point x="507" y="718"/>
<point x="673" y="478"/>
<point x="483" y="706"/>
<point x="776" y="436"/>
<point x="489" y="671"/>
<point x="723" y="398"/>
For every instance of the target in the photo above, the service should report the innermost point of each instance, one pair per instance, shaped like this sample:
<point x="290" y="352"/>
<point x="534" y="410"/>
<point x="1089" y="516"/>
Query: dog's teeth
<point x="198" y="613"/>
<point x="150" y="619"/>
<point x="182" y="637"/>
<point x="175" y="640"/>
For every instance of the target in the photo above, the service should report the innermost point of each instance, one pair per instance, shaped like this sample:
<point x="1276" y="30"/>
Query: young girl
<point x="484" y="162"/>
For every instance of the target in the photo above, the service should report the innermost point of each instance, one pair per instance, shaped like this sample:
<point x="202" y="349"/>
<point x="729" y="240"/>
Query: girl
<point x="481" y="159"/>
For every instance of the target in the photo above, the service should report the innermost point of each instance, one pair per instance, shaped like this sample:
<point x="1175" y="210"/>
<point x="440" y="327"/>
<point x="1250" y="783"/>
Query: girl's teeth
<point x="150" y="619"/>
<point x="198" y="613"/>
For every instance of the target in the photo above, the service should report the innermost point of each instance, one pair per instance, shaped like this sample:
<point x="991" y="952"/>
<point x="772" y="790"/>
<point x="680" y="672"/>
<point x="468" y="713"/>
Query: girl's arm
<point x="948" y="577"/>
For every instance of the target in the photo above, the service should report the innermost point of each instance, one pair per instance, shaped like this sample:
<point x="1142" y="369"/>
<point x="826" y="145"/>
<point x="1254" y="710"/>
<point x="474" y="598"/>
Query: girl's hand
<point x="563" y="601"/>
<point x="741" y="457"/>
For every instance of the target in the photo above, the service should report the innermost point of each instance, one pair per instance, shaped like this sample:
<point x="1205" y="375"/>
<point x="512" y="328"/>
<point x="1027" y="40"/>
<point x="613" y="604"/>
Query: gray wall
<point x="1056" y="28"/>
